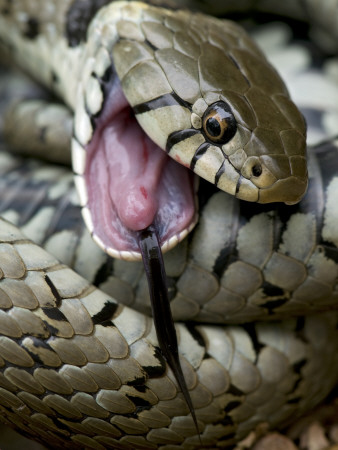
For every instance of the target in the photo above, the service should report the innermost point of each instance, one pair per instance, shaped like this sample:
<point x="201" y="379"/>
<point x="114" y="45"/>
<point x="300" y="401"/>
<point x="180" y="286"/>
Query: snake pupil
<point x="213" y="127"/>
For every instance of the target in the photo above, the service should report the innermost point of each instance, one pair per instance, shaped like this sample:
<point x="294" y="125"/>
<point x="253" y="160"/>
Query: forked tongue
<point x="164" y="324"/>
<point x="139" y="199"/>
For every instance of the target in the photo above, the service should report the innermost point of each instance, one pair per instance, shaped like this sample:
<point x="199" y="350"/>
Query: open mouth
<point x="132" y="183"/>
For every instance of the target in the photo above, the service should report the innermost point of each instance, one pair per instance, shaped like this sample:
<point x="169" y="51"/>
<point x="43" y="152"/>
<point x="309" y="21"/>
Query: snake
<point x="251" y="281"/>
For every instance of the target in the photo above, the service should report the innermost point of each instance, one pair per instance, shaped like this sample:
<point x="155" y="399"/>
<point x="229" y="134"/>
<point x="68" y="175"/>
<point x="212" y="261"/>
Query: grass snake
<point x="79" y="368"/>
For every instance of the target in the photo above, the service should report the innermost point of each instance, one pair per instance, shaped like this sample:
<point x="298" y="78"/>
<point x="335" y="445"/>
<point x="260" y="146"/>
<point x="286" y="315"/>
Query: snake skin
<point x="81" y="370"/>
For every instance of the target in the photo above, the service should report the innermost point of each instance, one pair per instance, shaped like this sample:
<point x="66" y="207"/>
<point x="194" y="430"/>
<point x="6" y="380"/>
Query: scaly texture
<point x="82" y="370"/>
<point x="85" y="371"/>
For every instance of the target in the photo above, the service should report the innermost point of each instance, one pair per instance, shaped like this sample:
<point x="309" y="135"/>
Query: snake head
<point x="208" y="98"/>
<point x="211" y="100"/>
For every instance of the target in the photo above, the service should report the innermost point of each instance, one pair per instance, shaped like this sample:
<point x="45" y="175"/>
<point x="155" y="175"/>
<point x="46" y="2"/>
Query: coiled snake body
<point x="78" y="368"/>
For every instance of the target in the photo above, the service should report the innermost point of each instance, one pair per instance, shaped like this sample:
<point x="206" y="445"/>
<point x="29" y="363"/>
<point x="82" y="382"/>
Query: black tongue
<point x="164" y="324"/>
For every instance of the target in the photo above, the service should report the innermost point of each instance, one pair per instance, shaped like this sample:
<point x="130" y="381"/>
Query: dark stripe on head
<point x="170" y="99"/>
<point x="219" y="174"/>
<point x="238" y="185"/>
<point x="202" y="149"/>
<point x="179" y="136"/>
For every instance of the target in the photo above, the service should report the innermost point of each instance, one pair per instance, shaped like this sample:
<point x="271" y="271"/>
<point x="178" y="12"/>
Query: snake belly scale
<point x="83" y="370"/>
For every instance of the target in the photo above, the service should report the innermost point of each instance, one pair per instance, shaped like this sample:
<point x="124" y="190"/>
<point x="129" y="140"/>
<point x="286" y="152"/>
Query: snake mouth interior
<point x="132" y="183"/>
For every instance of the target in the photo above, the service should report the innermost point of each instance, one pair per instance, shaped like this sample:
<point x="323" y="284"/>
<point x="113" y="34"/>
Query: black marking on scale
<point x="66" y="217"/>
<point x="55" y="292"/>
<point x="156" y="371"/>
<point x="42" y="134"/>
<point x="39" y="343"/>
<point x="270" y="290"/>
<point x="228" y="254"/>
<point x="232" y="405"/>
<point x="191" y="327"/>
<point x="329" y="250"/>
<point x="104" y="271"/>
<point x="323" y="163"/>
<point x="234" y="391"/>
<point x="297" y="368"/>
<point x="139" y="401"/>
<point x="169" y="99"/>
<point x="227" y="421"/>
<point x="32" y="28"/>
<point x="54" y="314"/>
<point x="163" y="321"/>
<point x="252" y="332"/>
<point x="326" y="153"/>
<point x="54" y="77"/>
<point x="142" y="388"/>
<point x="36" y="358"/>
<point x="151" y="45"/>
<point x="137" y="382"/>
<point x="27" y="196"/>
<point x="295" y="399"/>
<point x="228" y="436"/>
<point x="106" y="77"/>
<point x="23" y="193"/>
<point x="6" y="9"/>
<point x="78" y="18"/>
<point x="271" y="305"/>
<point x="106" y="313"/>
<point x="300" y="324"/>
<point x="277" y="213"/>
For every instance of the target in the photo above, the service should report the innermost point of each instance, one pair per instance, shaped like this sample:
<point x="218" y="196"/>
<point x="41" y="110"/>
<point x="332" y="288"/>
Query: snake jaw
<point x="127" y="184"/>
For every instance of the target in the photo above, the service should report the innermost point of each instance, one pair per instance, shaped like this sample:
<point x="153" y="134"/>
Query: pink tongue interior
<point x="132" y="183"/>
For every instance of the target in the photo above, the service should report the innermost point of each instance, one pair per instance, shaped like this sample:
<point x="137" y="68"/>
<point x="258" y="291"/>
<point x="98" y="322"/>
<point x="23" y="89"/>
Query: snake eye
<point x="219" y="124"/>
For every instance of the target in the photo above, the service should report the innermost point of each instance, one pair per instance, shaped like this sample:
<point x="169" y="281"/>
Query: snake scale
<point x="80" y="367"/>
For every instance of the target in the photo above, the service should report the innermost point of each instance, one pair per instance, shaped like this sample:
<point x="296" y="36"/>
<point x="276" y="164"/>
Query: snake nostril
<point x="257" y="170"/>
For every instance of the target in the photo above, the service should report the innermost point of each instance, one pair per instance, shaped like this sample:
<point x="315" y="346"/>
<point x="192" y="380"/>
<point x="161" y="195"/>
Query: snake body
<point x="81" y="369"/>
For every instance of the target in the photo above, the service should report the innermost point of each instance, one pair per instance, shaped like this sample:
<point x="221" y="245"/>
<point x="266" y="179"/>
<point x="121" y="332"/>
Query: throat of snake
<point x="132" y="183"/>
<point x="163" y="321"/>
